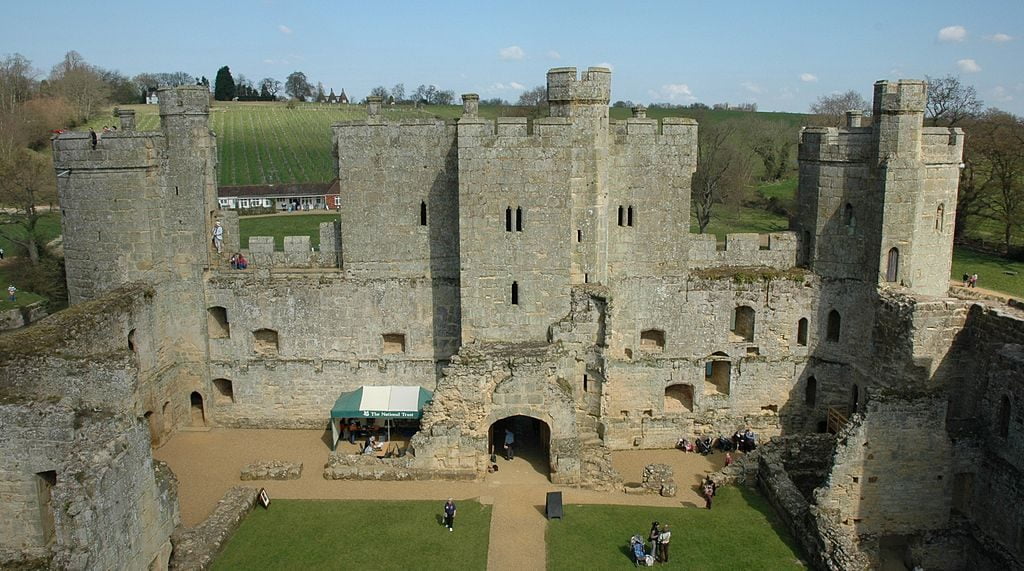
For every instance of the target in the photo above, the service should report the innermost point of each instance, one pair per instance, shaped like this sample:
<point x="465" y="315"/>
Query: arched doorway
<point x="531" y="443"/>
<point x="198" y="411"/>
<point x="892" y="266"/>
<point x="154" y="431"/>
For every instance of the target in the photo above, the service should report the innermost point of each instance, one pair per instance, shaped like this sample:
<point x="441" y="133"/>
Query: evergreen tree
<point x="224" y="85"/>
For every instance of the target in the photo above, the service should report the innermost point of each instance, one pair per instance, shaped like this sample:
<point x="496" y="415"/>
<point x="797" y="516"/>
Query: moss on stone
<point x="742" y="274"/>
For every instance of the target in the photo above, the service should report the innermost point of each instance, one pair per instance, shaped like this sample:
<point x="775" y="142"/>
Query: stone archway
<point x="532" y="441"/>
<point x="198" y="410"/>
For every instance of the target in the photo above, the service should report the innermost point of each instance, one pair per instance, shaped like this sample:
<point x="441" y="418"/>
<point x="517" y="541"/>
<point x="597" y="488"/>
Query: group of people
<point x="660" y="537"/>
<point x="970" y="280"/>
<point x="744" y="441"/>
<point x="238" y="261"/>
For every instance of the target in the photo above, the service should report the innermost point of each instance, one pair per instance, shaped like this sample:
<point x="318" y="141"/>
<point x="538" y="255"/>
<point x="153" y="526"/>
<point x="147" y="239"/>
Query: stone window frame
<point x="423" y="213"/>
<point x="940" y="217"/>
<point x="520" y="219"/>
<point x="803" y="326"/>
<point x="515" y="293"/>
<point x="683" y="388"/>
<point x="748" y="321"/>
<point x="652" y="340"/>
<point x="849" y="218"/>
<point x="224" y="391"/>
<point x="811" y="391"/>
<point x="629" y="216"/>
<point x="395" y="343"/>
<point x="713" y="363"/>
<point x="1003" y="416"/>
<point x="217" y="322"/>
<point x="834" y="328"/>
<point x="261" y="342"/>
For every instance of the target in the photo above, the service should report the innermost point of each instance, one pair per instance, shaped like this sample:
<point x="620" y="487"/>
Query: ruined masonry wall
<point x="106" y="486"/>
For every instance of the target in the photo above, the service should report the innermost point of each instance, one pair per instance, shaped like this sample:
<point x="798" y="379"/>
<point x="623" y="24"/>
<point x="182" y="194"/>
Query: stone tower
<point x="877" y="203"/>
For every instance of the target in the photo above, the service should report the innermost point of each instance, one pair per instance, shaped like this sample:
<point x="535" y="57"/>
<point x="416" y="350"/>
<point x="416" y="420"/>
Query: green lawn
<point x="994" y="272"/>
<point x="321" y="534"/>
<point x="8" y="277"/>
<point x="741" y="532"/>
<point x="282" y="225"/>
<point x="48" y="227"/>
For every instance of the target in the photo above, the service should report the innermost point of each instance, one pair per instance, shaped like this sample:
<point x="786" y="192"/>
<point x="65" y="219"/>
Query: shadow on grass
<point x="760" y="504"/>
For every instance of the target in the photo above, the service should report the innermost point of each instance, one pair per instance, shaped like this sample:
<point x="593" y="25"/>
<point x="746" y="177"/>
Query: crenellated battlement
<point x="594" y="87"/>
<point x="774" y="250"/>
<point x="903" y="96"/>
<point x="184" y="100"/>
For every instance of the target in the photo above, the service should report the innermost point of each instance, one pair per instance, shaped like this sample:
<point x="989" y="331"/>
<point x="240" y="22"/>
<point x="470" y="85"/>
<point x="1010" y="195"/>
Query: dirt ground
<point x="207" y="463"/>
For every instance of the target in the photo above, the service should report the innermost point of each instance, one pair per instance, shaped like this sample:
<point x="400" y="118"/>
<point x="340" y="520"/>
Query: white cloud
<point x="607" y="65"/>
<point x="511" y="52"/>
<point x="808" y="77"/>
<point x="499" y="86"/>
<point x="674" y="92"/>
<point x="516" y="85"/>
<point x="284" y="29"/>
<point x="952" y="34"/>
<point x="552" y="54"/>
<point x="999" y="38"/>
<point x="1000" y="93"/>
<point x="751" y="86"/>
<point x="968" y="66"/>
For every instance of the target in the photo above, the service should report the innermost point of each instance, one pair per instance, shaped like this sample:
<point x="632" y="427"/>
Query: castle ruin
<point x="536" y="271"/>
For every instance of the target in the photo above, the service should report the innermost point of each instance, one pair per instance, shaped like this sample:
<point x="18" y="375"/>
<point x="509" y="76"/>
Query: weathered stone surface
<point x="196" y="548"/>
<point x="271" y="470"/>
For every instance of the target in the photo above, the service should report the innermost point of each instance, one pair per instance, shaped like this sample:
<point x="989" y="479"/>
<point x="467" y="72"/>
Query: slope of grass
<point x="994" y="272"/>
<point x="281" y="225"/>
<point x="741" y="532"/>
<point x="48" y="228"/>
<point x="314" y="534"/>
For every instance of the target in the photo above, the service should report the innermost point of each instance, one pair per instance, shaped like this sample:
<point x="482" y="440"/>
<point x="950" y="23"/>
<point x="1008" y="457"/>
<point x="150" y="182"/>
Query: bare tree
<point x="831" y="109"/>
<point x="270" y="85"/>
<point x="379" y="91"/>
<point x="17" y="80"/>
<point x="949" y="101"/>
<point x="723" y="171"/>
<point x="996" y="149"/>
<point x="398" y="92"/>
<point x="534" y="97"/>
<point x="26" y="181"/>
<point x="80" y="84"/>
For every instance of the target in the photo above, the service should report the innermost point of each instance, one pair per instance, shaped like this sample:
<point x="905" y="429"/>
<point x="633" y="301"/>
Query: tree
<point x="774" y="146"/>
<point x="831" y="109"/>
<point x="17" y="80"/>
<point x="298" y="86"/>
<point x="379" y="91"/>
<point x="26" y="181"/>
<point x="949" y="101"/>
<point x="723" y="171"/>
<point x="270" y="86"/>
<point x="996" y="154"/>
<point x="534" y="97"/>
<point x="224" y="85"/>
<point x="80" y="84"/>
<point x="398" y="92"/>
<point x="444" y="97"/>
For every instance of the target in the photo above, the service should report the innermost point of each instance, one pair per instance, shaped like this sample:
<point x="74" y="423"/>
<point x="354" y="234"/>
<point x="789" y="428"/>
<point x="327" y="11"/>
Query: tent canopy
<point x="382" y="402"/>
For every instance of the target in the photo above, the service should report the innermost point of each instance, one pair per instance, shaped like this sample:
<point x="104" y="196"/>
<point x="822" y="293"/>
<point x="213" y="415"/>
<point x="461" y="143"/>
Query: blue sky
<point x="781" y="54"/>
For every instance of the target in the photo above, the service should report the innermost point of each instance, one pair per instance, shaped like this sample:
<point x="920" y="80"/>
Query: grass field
<point x="281" y="225"/>
<point x="994" y="272"/>
<point x="320" y="534"/>
<point x="741" y="532"/>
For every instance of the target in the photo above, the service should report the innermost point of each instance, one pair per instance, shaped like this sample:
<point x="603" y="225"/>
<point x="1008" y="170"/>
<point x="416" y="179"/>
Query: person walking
<point x="449" y="515"/>
<point x="663" y="540"/>
<point x="709" y="492"/>
<point x="1" y="253"/>
<point x="93" y="138"/>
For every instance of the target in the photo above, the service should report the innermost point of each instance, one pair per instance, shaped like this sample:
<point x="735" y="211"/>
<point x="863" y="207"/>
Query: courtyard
<point x="207" y="464"/>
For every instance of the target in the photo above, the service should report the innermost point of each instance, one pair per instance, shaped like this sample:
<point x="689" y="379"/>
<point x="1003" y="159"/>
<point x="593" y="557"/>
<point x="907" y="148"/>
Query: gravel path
<point x="207" y="463"/>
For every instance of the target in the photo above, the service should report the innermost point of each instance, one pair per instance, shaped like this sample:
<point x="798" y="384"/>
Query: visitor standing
<point x="11" y="293"/>
<point x="652" y="536"/>
<point x="93" y="138"/>
<point x="449" y="515"/>
<point x="974" y="280"/>
<point x="663" y="540"/>
<point x="510" y="441"/>
<point x="709" y="492"/>
<point x="218" y="236"/>
<point x="1" y="253"/>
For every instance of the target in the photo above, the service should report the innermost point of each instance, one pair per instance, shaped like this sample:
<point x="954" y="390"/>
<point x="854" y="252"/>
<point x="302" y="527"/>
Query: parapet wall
<point x="777" y="250"/>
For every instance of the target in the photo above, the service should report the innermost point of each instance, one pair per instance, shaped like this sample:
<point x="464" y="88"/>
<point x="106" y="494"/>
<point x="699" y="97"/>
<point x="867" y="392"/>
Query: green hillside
<point x="265" y="143"/>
